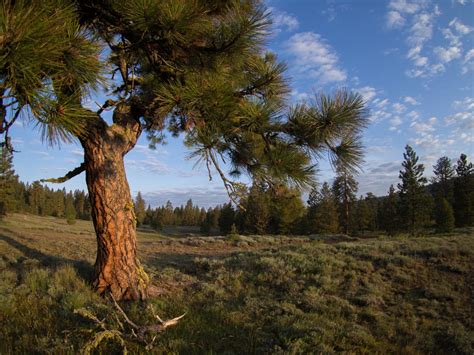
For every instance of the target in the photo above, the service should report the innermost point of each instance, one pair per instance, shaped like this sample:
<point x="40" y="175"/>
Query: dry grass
<point x="244" y="295"/>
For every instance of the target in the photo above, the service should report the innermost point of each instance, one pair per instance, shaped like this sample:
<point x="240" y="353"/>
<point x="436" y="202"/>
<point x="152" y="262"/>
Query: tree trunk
<point x="117" y="269"/>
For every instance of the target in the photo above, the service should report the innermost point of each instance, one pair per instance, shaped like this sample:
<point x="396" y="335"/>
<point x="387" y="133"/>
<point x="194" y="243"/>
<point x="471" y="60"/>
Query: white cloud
<point x="406" y="6"/>
<point x="414" y="52"/>
<point x="379" y="115"/>
<point x="283" y="20"/>
<point x="367" y="92"/>
<point x="314" y="56"/>
<point x="300" y="96"/>
<point x="462" y="121"/>
<point x="422" y="28"/>
<point x="395" y="20"/>
<point x="424" y="127"/>
<point x="413" y="115"/>
<point x="446" y="55"/>
<point x="410" y="100"/>
<point x="468" y="62"/>
<point x="148" y="165"/>
<point x="451" y="37"/>
<point x="469" y="56"/>
<point x="78" y="152"/>
<point x="396" y="121"/>
<point x="399" y="108"/>
<point x="421" y="16"/>
<point x="428" y="71"/>
<point x="381" y="103"/>
<point x="461" y="28"/>
<point x="464" y="104"/>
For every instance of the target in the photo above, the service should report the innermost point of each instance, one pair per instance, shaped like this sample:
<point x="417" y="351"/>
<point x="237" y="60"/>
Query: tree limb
<point x="68" y="176"/>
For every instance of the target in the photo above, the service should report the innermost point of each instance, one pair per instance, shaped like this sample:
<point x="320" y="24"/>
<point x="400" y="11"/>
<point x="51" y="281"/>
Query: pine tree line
<point x="445" y="203"/>
<point x="35" y="198"/>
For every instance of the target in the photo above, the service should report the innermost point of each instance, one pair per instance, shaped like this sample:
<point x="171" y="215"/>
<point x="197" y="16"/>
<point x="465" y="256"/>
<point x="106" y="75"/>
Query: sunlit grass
<point x="242" y="295"/>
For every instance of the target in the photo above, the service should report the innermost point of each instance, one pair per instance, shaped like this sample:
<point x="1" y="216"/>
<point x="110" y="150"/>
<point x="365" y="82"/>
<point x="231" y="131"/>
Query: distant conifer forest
<point x="415" y="205"/>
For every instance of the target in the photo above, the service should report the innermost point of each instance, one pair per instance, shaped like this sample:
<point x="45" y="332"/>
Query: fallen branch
<point x="141" y="331"/>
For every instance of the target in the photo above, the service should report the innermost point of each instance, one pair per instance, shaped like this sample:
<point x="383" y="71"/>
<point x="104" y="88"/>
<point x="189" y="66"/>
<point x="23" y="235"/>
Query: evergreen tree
<point x="444" y="173"/>
<point x="226" y="218"/>
<point x="286" y="211"/>
<point x="87" y="208"/>
<point x="322" y="211"/>
<point x="79" y="202"/>
<point x="414" y="202"/>
<point x="140" y="211"/>
<point x="361" y="216"/>
<point x="444" y="216"/>
<point x="8" y="183"/>
<point x="211" y="221"/>
<point x="345" y="188"/>
<point x="389" y="213"/>
<point x="188" y="214"/>
<point x="196" y="68"/>
<point x="70" y="211"/>
<point x="257" y="210"/>
<point x="168" y="214"/>
<point x="464" y="193"/>
<point x="372" y="203"/>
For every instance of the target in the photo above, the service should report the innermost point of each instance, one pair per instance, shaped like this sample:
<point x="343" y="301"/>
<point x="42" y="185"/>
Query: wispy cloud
<point x="283" y="21"/>
<point x="410" y="100"/>
<point x="418" y="18"/>
<point x="149" y="165"/>
<point x="462" y="121"/>
<point x="315" y="58"/>
<point x="367" y="92"/>
<point x="395" y="20"/>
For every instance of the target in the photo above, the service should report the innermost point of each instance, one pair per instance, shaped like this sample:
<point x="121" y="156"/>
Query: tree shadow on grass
<point x="83" y="268"/>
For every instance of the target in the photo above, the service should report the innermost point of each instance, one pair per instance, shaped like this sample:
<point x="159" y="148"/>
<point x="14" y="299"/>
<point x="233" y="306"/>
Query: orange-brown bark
<point x="117" y="269"/>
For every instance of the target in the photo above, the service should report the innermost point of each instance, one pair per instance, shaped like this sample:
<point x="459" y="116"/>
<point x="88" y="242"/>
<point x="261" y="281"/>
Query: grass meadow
<point x="242" y="295"/>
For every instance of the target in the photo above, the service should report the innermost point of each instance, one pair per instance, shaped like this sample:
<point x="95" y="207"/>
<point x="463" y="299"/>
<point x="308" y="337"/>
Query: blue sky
<point x="412" y="60"/>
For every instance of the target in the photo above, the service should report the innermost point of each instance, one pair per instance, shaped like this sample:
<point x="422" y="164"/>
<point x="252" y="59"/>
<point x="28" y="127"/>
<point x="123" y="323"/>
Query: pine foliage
<point x="322" y="217"/>
<point x="414" y="202"/>
<point x="345" y="188"/>
<point x="464" y="192"/>
<point x="8" y="183"/>
<point x="197" y="68"/>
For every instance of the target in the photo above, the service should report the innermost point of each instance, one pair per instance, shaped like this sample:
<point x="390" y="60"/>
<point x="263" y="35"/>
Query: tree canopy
<point x="194" y="67"/>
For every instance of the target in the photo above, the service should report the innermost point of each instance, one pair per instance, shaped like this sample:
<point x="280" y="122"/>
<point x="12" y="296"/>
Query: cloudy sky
<point x="412" y="60"/>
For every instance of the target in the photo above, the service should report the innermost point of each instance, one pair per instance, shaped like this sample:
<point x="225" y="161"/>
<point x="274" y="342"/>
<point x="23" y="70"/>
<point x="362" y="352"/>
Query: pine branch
<point x="68" y="176"/>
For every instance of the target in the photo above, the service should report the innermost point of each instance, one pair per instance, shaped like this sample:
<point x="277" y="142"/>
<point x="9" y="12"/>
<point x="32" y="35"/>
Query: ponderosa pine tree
<point x="286" y="211"/>
<point x="8" y="182"/>
<point x="444" y="173"/>
<point x="196" y="68"/>
<point x="140" y="211"/>
<point x="373" y="206"/>
<point x="389" y="213"/>
<point x="345" y="188"/>
<point x="414" y="201"/>
<point x="361" y="216"/>
<point x="69" y="210"/>
<point x="322" y="211"/>
<point x="226" y="218"/>
<point x="257" y="210"/>
<point x="444" y="216"/>
<point x="464" y="193"/>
